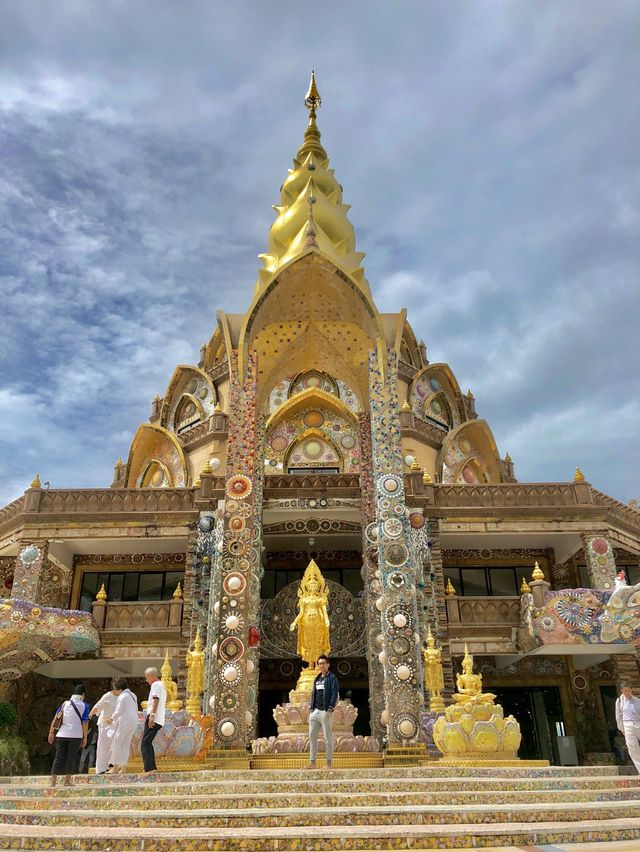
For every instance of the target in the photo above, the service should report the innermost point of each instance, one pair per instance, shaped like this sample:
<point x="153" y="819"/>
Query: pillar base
<point x="410" y="755"/>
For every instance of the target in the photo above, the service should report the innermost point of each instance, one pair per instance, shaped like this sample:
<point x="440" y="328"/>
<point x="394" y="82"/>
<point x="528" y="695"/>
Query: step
<point x="408" y="815"/>
<point x="187" y="801"/>
<point x="318" y="783"/>
<point x="317" y="837"/>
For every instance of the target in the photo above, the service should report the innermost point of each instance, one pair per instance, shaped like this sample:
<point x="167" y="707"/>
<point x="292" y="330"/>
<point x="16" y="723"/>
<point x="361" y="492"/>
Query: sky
<point x="489" y="150"/>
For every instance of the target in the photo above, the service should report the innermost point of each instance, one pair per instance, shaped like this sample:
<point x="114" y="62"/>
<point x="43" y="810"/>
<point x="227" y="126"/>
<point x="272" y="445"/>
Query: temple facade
<point x="315" y="426"/>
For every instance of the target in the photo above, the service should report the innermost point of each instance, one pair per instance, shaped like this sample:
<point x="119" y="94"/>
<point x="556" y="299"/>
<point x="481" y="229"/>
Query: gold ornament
<point x="312" y="622"/>
<point x="195" y="676"/>
<point x="102" y="594"/>
<point x="525" y="588"/>
<point x="578" y="476"/>
<point x="537" y="573"/>
<point x="206" y="469"/>
<point x="449" y="591"/>
<point x="177" y="595"/>
<point x="426" y="479"/>
<point x="406" y="406"/>
<point x="35" y="483"/>
<point x="170" y="685"/>
<point x="415" y="465"/>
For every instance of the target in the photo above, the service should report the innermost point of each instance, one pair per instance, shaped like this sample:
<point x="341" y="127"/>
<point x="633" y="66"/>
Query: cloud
<point x="488" y="151"/>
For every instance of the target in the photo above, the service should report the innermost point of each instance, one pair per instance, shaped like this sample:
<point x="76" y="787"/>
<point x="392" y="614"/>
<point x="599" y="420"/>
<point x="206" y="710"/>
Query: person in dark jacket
<point x="324" y="697"/>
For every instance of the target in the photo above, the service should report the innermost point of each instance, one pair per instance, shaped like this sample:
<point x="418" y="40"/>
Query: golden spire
<point x="325" y="229"/>
<point x="431" y="642"/>
<point x="537" y="573"/>
<point x="507" y="457"/>
<point x="525" y="588"/>
<point x="406" y="406"/>
<point x="177" y="595"/>
<point x="102" y="594"/>
<point x="166" y="671"/>
<point x="426" y="479"/>
<point x="578" y="476"/>
<point x="35" y="483"/>
<point x="449" y="591"/>
<point x="415" y="465"/>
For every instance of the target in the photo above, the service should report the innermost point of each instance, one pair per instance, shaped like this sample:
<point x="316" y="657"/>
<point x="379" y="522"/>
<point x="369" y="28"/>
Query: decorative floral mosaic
<point x="192" y="401"/>
<point x="463" y="462"/>
<point x="601" y="563"/>
<point x="292" y="385"/>
<point x="316" y="437"/>
<point x="593" y="616"/>
<point x="31" y="635"/>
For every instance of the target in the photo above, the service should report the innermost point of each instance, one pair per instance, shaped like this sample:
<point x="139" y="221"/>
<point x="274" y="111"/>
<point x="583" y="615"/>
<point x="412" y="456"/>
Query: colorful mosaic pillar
<point x="235" y="677"/>
<point x="391" y="535"/>
<point x="371" y="580"/>
<point x="601" y="564"/>
<point x="30" y="570"/>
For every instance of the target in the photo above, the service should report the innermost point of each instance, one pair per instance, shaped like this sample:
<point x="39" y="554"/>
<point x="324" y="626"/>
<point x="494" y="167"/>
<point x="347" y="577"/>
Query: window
<point x="275" y="579"/>
<point x="129" y="586"/>
<point x="487" y="580"/>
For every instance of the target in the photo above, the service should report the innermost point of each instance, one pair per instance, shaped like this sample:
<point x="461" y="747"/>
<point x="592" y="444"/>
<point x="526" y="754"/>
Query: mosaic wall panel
<point x="371" y="578"/>
<point x="292" y="385"/>
<point x="391" y="535"/>
<point x="463" y="463"/>
<point x="235" y="679"/>
<point x="28" y="570"/>
<point x="315" y="437"/>
<point x="6" y="575"/>
<point x="600" y="561"/>
<point x="346" y="617"/>
<point x="430" y="398"/>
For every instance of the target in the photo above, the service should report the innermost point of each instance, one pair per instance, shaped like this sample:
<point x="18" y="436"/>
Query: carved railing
<point x="11" y="510"/>
<point x="344" y="484"/>
<point x="508" y="494"/>
<point x="219" y="371"/>
<point x="494" y="610"/>
<point x="115" y="500"/>
<point x="138" y="615"/>
<point x="215" y="425"/>
<point x="486" y="624"/>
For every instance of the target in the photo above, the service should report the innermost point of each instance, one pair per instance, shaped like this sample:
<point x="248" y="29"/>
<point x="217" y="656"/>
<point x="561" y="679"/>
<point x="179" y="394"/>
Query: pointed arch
<point x="188" y="385"/>
<point x="471" y="446"/>
<point x="155" y="444"/>
<point x="432" y="379"/>
<point x="320" y="457"/>
<point x="307" y="399"/>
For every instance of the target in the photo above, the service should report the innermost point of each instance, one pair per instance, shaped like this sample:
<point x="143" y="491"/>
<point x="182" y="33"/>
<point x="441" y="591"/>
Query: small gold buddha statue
<point x="470" y="684"/>
<point x="170" y="685"/>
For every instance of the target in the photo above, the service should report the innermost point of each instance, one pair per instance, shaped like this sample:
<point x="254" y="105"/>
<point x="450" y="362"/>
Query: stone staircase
<point x="429" y="807"/>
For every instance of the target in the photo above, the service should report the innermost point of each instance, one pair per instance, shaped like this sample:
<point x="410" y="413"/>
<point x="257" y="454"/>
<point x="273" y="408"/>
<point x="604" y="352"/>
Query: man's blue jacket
<point x="331" y="691"/>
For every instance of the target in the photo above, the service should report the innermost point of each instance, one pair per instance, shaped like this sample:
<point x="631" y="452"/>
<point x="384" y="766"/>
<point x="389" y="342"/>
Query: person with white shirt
<point x="125" y="721"/>
<point x="104" y="709"/>
<point x="155" y="719"/>
<point x="69" y="728"/>
<point x="628" y="721"/>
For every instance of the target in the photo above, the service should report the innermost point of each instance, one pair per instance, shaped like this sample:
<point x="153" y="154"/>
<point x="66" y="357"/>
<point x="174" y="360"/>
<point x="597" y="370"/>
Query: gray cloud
<point x="488" y="150"/>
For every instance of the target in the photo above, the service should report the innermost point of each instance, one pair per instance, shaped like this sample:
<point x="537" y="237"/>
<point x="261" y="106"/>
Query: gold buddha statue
<point x="170" y="685"/>
<point x="312" y="622"/>
<point x="470" y="684"/>
<point x="195" y="675"/>
<point x="433" y="673"/>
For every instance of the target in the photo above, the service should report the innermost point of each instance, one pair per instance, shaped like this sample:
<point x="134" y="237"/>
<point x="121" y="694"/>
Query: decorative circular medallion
<point x="192" y="386"/>
<point x="226" y="729"/>
<point x="229" y="700"/>
<point x="348" y="442"/>
<point x="406" y="726"/>
<point x="598" y="545"/>
<point x="371" y="533"/>
<point x="237" y="547"/>
<point x="231" y="506"/>
<point x="313" y="449"/>
<point x="602" y="560"/>
<point x="230" y="673"/>
<point x="202" y="393"/>
<point x="435" y="384"/>
<point x="391" y="484"/>
<point x="236" y="523"/>
<point x="401" y="646"/>
<point x="396" y="554"/>
<point x="231" y="649"/>
<point x="396" y="580"/>
<point x="30" y="554"/>
<point x="403" y="672"/>
<point x="234" y="584"/>
<point x="398" y="617"/>
<point x="239" y="486"/>
<point x="416" y="519"/>
<point x="313" y="419"/>
<point x="465" y="445"/>
<point x="392" y="527"/>
<point x="436" y="407"/>
<point x="579" y="682"/>
<point x="278" y="443"/>
<point x="205" y="524"/>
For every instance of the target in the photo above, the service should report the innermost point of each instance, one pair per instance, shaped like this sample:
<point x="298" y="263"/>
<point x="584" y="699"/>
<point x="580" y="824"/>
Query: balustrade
<point x="138" y="615"/>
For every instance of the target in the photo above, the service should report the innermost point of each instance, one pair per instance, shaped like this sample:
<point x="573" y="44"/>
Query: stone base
<point x="411" y="755"/>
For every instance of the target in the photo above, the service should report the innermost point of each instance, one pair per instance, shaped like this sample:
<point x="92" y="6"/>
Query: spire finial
<point x="312" y="99"/>
<point x="578" y="476"/>
<point x="311" y="225"/>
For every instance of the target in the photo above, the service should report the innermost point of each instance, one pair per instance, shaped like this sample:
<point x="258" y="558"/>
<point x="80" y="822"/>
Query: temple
<point x="313" y="426"/>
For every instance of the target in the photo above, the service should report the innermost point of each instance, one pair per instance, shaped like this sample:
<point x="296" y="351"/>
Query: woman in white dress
<point x="124" y="720"/>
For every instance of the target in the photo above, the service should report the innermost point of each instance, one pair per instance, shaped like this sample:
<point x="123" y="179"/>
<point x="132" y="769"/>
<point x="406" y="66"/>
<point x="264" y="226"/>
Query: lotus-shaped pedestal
<point x="477" y="731"/>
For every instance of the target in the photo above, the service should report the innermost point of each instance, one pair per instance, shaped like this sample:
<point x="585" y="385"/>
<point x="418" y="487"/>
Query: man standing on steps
<point x="628" y="721"/>
<point x="154" y="720"/>
<point x="324" y="697"/>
